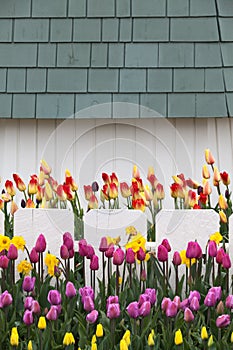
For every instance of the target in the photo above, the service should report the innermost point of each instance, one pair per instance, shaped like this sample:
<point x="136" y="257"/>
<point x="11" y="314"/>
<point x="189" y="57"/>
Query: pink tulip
<point x="28" y="317"/>
<point x="92" y="316"/>
<point x="118" y="256"/>
<point x="28" y="303"/>
<point x="34" y="256"/>
<point x="88" y="304"/>
<point x="217" y="291"/>
<point x="82" y="244"/>
<point x="28" y="283"/>
<point x="68" y="240"/>
<point x="229" y="301"/>
<point x="177" y="301"/>
<point x="171" y="310"/>
<point x="52" y="315"/>
<point x="94" y="264"/>
<point x="194" y="293"/>
<point x="35" y="308"/>
<point x="90" y="251"/>
<point x="212" y="249"/>
<point x="162" y="253"/>
<point x="12" y="252"/>
<point x="223" y="321"/>
<point x="70" y="290"/>
<point x="5" y="299"/>
<point x="54" y="297"/>
<point x="226" y="262"/>
<point x="184" y="303"/>
<point x="40" y="244"/>
<point x="133" y="309"/>
<point x="193" y="250"/>
<point x="176" y="259"/>
<point x="141" y="255"/>
<point x="194" y="304"/>
<point x="219" y="256"/>
<point x="113" y="311"/>
<point x="210" y="299"/>
<point x="4" y="261"/>
<point x="130" y="256"/>
<point x="166" y="244"/>
<point x="145" y="309"/>
<point x="64" y="252"/>
<point x="103" y="247"/>
<point x="165" y="303"/>
<point x="112" y="299"/>
<point x="109" y="252"/>
<point x="86" y="291"/>
<point x="188" y="315"/>
<point x="151" y="294"/>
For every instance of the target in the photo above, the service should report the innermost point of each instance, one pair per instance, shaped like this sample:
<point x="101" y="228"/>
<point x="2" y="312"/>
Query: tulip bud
<point x="166" y="244"/>
<point x="229" y="301"/>
<point x="40" y="244"/>
<point x="125" y="190"/>
<point x="52" y="315"/>
<point x="133" y="309"/>
<point x="28" y="284"/>
<point x="94" y="264"/>
<point x="212" y="249"/>
<point x="162" y="253"/>
<point x="176" y="259"/>
<point x="145" y="309"/>
<point x="54" y="297"/>
<point x="88" y="303"/>
<point x="5" y="299"/>
<point x="99" y="331"/>
<point x="28" y="317"/>
<point x="92" y="316"/>
<point x="141" y="255"/>
<point x="225" y="178"/>
<point x="42" y="323"/>
<point x="12" y="252"/>
<point x="110" y="251"/>
<point x="226" y="262"/>
<point x="204" y="334"/>
<point x="70" y="290"/>
<point x="113" y="311"/>
<point x="130" y="256"/>
<point x="64" y="252"/>
<point x="205" y="172"/>
<point x="118" y="256"/>
<point x="171" y="309"/>
<point x="4" y="261"/>
<point x="209" y="157"/>
<point x="14" y="338"/>
<point x="222" y="202"/>
<point x="220" y="308"/>
<point x="34" y="256"/>
<point x="188" y="315"/>
<point x="103" y="247"/>
<point x="219" y="256"/>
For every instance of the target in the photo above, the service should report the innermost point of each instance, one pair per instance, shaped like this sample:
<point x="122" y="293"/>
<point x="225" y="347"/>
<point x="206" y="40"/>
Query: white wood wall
<point x="89" y="147"/>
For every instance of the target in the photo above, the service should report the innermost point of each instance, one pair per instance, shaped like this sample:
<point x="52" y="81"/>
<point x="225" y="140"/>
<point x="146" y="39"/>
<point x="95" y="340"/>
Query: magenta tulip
<point x="86" y="291"/>
<point x="113" y="311"/>
<point x="171" y="309"/>
<point x="133" y="309"/>
<point x="130" y="256"/>
<point x="162" y="253"/>
<point x="12" y="252"/>
<point x="194" y="304"/>
<point x="118" y="256"/>
<point x="229" y="301"/>
<point x="210" y="299"/>
<point x="28" y="283"/>
<point x="226" y="262"/>
<point x="88" y="303"/>
<point x="40" y="244"/>
<point x="28" y="317"/>
<point x="94" y="264"/>
<point x="112" y="299"/>
<point x="152" y="295"/>
<point x="70" y="290"/>
<point x="52" y="315"/>
<point x="141" y="255"/>
<point x="4" y="261"/>
<point x="103" y="247"/>
<point x="212" y="249"/>
<point x="64" y="252"/>
<point x="223" y="321"/>
<point x="35" y="308"/>
<point x="193" y="250"/>
<point x="54" y="297"/>
<point x="109" y="252"/>
<point x="219" y="256"/>
<point x="145" y="309"/>
<point x="176" y="259"/>
<point x="166" y="244"/>
<point x="68" y="240"/>
<point x="28" y="303"/>
<point x="92" y="316"/>
<point x="82" y="245"/>
<point x="90" y="251"/>
<point x="165" y="303"/>
<point x="34" y="256"/>
<point x="5" y="299"/>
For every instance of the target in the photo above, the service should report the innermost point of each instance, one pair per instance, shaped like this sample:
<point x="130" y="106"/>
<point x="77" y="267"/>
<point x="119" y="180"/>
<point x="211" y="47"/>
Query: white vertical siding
<point x="89" y="147"/>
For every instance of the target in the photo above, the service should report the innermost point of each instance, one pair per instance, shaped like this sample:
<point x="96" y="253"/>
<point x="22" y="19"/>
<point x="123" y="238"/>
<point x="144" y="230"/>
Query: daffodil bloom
<point x="204" y="334"/>
<point x="14" y="339"/>
<point x="185" y="260"/>
<point x="150" y="340"/>
<point x="99" y="330"/>
<point x="24" y="267"/>
<point x="217" y="237"/>
<point x="51" y="261"/>
<point x="178" y="337"/>
<point x="136" y="243"/>
<point x="30" y="347"/>
<point x="4" y="242"/>
<point x="210" y="341"/>
<point x="19" y="242"/>
<point x="131" y="230"/>
<point x="42" y="323"/>
<point x="68" y="339"/>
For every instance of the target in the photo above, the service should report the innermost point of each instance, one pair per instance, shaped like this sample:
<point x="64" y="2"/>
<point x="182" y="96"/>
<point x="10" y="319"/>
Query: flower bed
<point x="51" y="307"/>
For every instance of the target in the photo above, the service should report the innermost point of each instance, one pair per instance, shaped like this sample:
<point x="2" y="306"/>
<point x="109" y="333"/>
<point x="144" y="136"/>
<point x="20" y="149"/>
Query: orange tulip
<point x="205" y="172"/>
<point x="1" y="204"/>
<point x="192" y="198"/>
<point x="138" y="204"/>
<point x="32" y="186"/>
<point x="40" y="193"/>
<point x="19" y="183"/>
<point x="30" y="203"/>
<point x="206" y="188"/>
<point x="10" y="188"/>
<point x="114" y="179"/>
<point x="93" y="202"/>
<point x="61" y="193"/>
<point x="177" y="191"/>
<point x="148" y="193"/>
<point x="113" y="191"/>
<point x="216" y="176"/>
<point x="68" y="191"/>
<point x="209" y="157"/>
<point x="105" y="178"/>
<point x="14" y="207"/>
<point x="70" y="181"/>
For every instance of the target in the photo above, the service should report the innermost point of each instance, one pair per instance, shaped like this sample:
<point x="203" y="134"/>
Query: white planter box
<point x="53" y="223"/>
<point x="1" y="223"/>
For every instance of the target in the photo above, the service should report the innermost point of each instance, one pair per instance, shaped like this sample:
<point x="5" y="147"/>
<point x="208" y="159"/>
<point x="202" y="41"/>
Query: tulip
<point x="145" y="309"/>
<point x="178" y="337"/>
<point x="34" y="256"/>
<point x="92" y="316"/>
<point x="32" y="186"/>
<point x="82" y="244"/>
<point x="165" y="303"/>
<point x="217" y="291"/>
<point x="194" y="304"/>
<point x="222" y="202"/>
<point x="177" y="301"/>
<point x="151" y="293"/>
<point x="5" y="299"/>
<point x="68" y="240"/>
<point x="90" y="251"/>
<point x="130" y="256"/>
<point x="103" y="247"/>
<point x="28" y="284"/>
<point x="110" y="251"/>
<point x="99" y="331"/>
<point x="125" y="190"/>
<point x="88" y="192"/>
<point x="52" y="315"/>
<point x="113" y="311"/>
<point x="166" y="244"/>
<point x="30" y="345"/>
<point x="220" y="308"/>
<point x="19" y="183"/>
<point x="86" y="291"/>
<point x="54" y="297"/>
<point x="220" y="255"/>
<point x="212" y="249"/>
<point x="143" y="275"/>
<point x="133" y="309"/>
<point x="229" y="301"/>
<point x="141" y="255"/>
<point x="10" y="188"/>
<point x="40" y="244"/>
<point x="45" y="167"/>
<point x="138" y="204"/>
<point x="93" y="202"/>
<point x="222" y="216"/>
<point x="192" y="294"/>
<point x="162" y="253"/>
<point x="28" y="303"/>
<point x="112" y="299"/>
<point x="64" y="252"/>
<point x="35" y="308"/>
<point x="193" y="250"/>
<point x="4" y="261"/>
<point x="177" y="191"/>
<point x="105" y="178"/>
<point x="204" y="334"/>
<point x="226" y="262"/>
<point x="171" y="309"/>
<point x="12" y="253"/>
<point x="14" y="338"/>
<point x="184" y="303"/>
<point x="70" y="290"/>
<point x="28" y="317"/>
<point x="192" y="198"/>
<point x="225" y="178"/>
<point x="159" y="192"/>
<point x="209" y="157"/>
<point x="68" y="191"/>
<point x="205" y="172"/>
<point x="118" y="256"/>
<point x="206" y="188"/>
<point x="88" y="303"/>
<point x="94" y="264"/>
<point x="176" y="258"/>
<point x="188" y="315"/>
<point x="42" y="323"/>
<point x="68" y="339"/>
<point x="123" y="344"/>
<point x="223" y="321"/>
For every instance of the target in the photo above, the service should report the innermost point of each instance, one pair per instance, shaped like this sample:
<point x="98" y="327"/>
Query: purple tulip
<point x="133" y="309"/>
<point x="171" y="309"/>
<point x="103" y="247"/>
<point x="92" y="316"/>
<point x="223" y="321"/>
<point x="35" y="308"/>
<point x="210" y="299"/>
<point x="145" y="309"/>
<point x="113" y="311"/>
<point x="152" y="295"/>
<point x="188" y="315"/>
<point x="94" y="264"/>
<point x="28" y="317"/>
<point x="193" y="250"/>
<point x="54" y="297"/>
<point x="165" y="303"/>
<point x="109" y="252"/>
<point x="52" y="315"/>
<point x="226" y="262"/>
<point x="212" y="249"/>
<point x="28" y="303"/>
<point x="130" y="256"/>
<point x="12" y="252"/>
<point x="217" y="291"/>
<point x="90" y="251"/>
<point x="141" y="255"/>
<point x="40" y="244"/>
<point x="166" y="244"/>
<point x="70" y="290"/>
<point x="229" y="301"/>
<point x="88" y="304"/>
<point x="177" y="301"/>
<point x="142" y="298"/>
<point x="194" y="293"/>
<point x="64" y="252"/>
<point x="162" y="253"/>
<point x="4" y="261"/>
<point x="82" y="245"/>
<point x="86" y="291"/>
<point x="34" y="256"/>
<point x="5" y="299"/>
<point x="184" y="303"/>
<point x="194" y="304"/>
<point x="68" y="240"/>
<point x="112" y="299"/>
<point x="118" y="256"/>
<point x="28" y="283"/>
<point x="176" y="259"/>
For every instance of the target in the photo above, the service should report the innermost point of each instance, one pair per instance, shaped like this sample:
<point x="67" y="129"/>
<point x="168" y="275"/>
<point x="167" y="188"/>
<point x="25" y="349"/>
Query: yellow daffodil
<point x="217" y="237"/>
<point x="51" y="261"/>
<point x="19" y="242"/>
<point x="99" y="330"/>
<point x="30" y="347"/>
<point x="14" y="339"/>
<point x="204" y="334"/>
<point x="185" y="260"/>
<point x="4" y="242"/>
<point x="178" y="337"/>
<point x="24" y="267"/>
<point x="42" y="323"/>
<point x="111" y="240"/>
<point x="131" y="230"/>
<point x="136" y="243"/>
<point x="210" y="341"/>
<point x="68" y="339"/>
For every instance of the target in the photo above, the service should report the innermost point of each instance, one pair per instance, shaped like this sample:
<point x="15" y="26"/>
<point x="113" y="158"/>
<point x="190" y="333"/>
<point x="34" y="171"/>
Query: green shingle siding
<point x="57" y="106"/>
<point x="110" y="29"/>
<point x="102" y="80"/>
<point x="23" y="106"/>
<point x="31" y="30"/>
<point x="202" y="8"/>
<point x="148" y="8"/>
<point x="150" y="29"/>
<point x="173" y="55"/>
<point x="115" y="55"/>
<point x="100" y="8"/>
<point x="87" y="29"/>
<point x="18" y="55"/>
<point x="141" y="55"/>
<point x="47" y="55"/>
<point x="49" y="8"/>
<point x="178" y="8"/>
<point x="211" y="105"/>
<point x="5" y="30"/>
<point x="36" y="80"/>
<point x="67" y="80"/>
<point x="188" y="80"/>
<point x="5" y="103"/>
<point x="2" y="80"/>
<point x="99" y="54"/>
<point x="15" y="8"/>
<point x="123" y="8"/>
<point x="133" y="80"/>
<point x="225" y="8"/>
<point x="214" y="80"/>
<point x="61" y="30"/>
<point x="208" y="55"/>
<point x="159" y="80"/>
<point x="16" y="80"/>
<point x="73" y="55"/>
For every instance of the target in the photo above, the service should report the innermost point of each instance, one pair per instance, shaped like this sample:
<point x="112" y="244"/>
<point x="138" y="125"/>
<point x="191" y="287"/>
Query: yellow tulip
<point x="210" y="341"/>
<point x="42" y="323"/>
<point x="14" y="339"/>
<point x="178" y="337"/>
<point x="99" y="330"/>
<point x="30" y="345"/>
<point x="68" y="339"/>
<point x="123" y="345"/>
<point x="150" y="340"/>
<point x="204" y="334"/>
